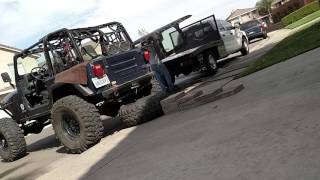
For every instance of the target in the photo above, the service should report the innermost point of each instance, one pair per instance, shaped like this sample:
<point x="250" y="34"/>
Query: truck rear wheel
<point x="245" y="47"/>
<point x="210" y="62"/>
<point x="12" y="143"/>
<point x="77" y="123"/>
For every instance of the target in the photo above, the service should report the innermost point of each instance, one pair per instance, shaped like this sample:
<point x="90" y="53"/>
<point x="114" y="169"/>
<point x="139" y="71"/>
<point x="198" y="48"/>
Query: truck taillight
<point x="147" y="56"/>
<point x="98" y="70"/>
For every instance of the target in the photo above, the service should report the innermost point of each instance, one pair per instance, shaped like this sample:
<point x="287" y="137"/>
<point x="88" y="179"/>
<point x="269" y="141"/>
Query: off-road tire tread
<point x="141" y="111"/>
<point x="15" y="139"/>
<point x="88" y="115"/>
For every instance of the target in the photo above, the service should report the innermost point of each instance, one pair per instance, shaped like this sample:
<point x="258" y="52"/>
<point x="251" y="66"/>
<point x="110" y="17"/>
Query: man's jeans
<point x="163" y="77"/>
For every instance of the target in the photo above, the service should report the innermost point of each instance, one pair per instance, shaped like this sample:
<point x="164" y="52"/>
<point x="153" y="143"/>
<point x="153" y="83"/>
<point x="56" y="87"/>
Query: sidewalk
<point x="277" y="36"/>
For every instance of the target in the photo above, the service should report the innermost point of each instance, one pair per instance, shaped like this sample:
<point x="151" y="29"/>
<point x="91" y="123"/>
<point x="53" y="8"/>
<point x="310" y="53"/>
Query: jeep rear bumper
<point x="128" y="88"/>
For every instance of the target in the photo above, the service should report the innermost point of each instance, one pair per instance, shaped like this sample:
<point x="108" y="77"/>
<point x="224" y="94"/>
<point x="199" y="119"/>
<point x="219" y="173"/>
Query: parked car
<point x="255" y="29"/>
<point x="197" y="46"/>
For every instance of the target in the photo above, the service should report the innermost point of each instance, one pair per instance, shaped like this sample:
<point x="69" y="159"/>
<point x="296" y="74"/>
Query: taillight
<point x="261" y="27"/>
<point x="147" y="56"/>
<point x="98" y="70"/>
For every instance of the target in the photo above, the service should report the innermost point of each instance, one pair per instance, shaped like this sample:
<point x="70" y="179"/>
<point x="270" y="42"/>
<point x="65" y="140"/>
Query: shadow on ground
<point x="9" y="171"/>
<point x="45" y="143"/>
<point x="256" y="40"/>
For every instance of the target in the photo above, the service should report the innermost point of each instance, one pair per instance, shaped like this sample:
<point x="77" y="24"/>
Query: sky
<point x="23" y="22"/>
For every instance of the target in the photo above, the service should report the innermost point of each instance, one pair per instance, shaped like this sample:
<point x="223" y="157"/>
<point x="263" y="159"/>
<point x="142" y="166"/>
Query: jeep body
<point x="96" y="63"/>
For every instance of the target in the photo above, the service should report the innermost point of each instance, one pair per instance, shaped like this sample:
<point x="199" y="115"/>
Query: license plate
<point x="100" y="82"/>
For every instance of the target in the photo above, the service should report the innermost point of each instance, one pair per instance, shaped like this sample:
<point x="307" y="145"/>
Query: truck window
<point x="249" y="24"/>
<point x="176" y="38"/>
<point x="228" y="26"/>
<point x="167" y="42"/>
<point x="220" y="26"/>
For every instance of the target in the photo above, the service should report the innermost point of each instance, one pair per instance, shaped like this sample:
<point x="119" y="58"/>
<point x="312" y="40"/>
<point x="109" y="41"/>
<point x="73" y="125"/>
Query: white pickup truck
<point x="197" y="46"/>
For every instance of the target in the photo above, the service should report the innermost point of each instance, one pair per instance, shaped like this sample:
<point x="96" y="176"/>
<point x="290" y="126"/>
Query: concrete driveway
<point x="46" y="155"/>
<point x="270" y="130"/>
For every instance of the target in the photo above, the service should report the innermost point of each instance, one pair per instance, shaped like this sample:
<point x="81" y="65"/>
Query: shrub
<point x="301" y="13"/>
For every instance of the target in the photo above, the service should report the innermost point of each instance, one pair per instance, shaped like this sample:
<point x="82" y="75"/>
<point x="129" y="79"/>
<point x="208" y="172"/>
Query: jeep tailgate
<point x="125" y="66"/>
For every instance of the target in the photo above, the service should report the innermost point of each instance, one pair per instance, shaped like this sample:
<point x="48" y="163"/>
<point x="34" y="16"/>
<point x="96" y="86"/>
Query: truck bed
<point x="192" y="52"/>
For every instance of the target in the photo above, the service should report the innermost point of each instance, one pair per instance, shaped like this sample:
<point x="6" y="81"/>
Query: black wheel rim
<point x="3" y="143"/>
<point x="70" y="125"/>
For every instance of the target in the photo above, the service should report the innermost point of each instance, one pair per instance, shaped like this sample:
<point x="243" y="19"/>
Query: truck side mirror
<point x="6" y="78"/>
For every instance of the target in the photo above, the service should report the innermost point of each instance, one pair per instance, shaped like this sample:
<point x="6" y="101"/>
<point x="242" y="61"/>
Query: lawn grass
<point x="304" y="20"/>
<point x="297" y="43"/>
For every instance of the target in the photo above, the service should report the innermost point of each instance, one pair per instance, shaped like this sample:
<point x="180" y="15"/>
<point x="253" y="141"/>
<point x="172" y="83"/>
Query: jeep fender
<point x="61" y="90"/>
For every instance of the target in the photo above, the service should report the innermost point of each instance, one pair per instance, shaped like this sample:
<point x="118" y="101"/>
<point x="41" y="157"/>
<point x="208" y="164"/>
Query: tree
<point x="264" y="6"/>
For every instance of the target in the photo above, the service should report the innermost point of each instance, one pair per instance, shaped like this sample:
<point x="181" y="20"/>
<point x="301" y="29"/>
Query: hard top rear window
<point x="248" y="25"/>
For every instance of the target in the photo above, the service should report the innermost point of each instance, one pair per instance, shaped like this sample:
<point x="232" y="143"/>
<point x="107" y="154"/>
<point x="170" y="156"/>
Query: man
<point x="159" y="69"/>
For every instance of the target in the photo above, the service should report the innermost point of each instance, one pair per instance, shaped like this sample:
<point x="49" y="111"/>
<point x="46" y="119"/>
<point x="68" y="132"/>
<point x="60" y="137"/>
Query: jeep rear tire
<point x="143" y="110"/>
<point x="76" y="123"/>
<point x="12" y="143"/>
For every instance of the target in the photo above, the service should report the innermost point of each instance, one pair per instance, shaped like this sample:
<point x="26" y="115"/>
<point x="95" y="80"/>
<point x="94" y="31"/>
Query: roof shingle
<point x="239" y="12"/>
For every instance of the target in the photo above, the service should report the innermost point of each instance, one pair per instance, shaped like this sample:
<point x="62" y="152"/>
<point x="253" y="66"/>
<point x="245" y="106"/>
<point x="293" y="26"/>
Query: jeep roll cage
<point x="106" y="35"/>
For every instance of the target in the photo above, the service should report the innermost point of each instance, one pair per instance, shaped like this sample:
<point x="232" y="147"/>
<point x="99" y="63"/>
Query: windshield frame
<point x="31" y="51"/>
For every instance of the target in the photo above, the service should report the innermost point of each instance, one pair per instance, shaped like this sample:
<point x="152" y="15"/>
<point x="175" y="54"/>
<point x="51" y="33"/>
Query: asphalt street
<point x="45" y="150"/>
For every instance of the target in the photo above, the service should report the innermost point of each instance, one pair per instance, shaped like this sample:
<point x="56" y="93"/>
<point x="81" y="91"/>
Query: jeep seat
<point x="88" y="53"/>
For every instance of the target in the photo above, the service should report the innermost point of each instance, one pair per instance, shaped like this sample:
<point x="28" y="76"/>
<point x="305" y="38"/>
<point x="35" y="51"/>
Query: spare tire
<point x="77" y="123"/>
<point x="143" y="110"/>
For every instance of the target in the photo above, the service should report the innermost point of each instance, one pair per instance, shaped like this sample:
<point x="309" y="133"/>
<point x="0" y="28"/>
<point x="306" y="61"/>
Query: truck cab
<point x="232" y="37"/>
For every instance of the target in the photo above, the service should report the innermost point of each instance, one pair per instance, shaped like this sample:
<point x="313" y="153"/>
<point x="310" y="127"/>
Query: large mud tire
<point x="12" y="143"/>
<point x="141" y="111"/>
<point x="77" y="123"/>
<point x="144" y="109"/>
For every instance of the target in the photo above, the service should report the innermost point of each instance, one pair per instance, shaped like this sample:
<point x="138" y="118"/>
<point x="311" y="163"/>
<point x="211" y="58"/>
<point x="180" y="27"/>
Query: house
<point x="6" y="65"/>
<point x="244" y="15"/>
